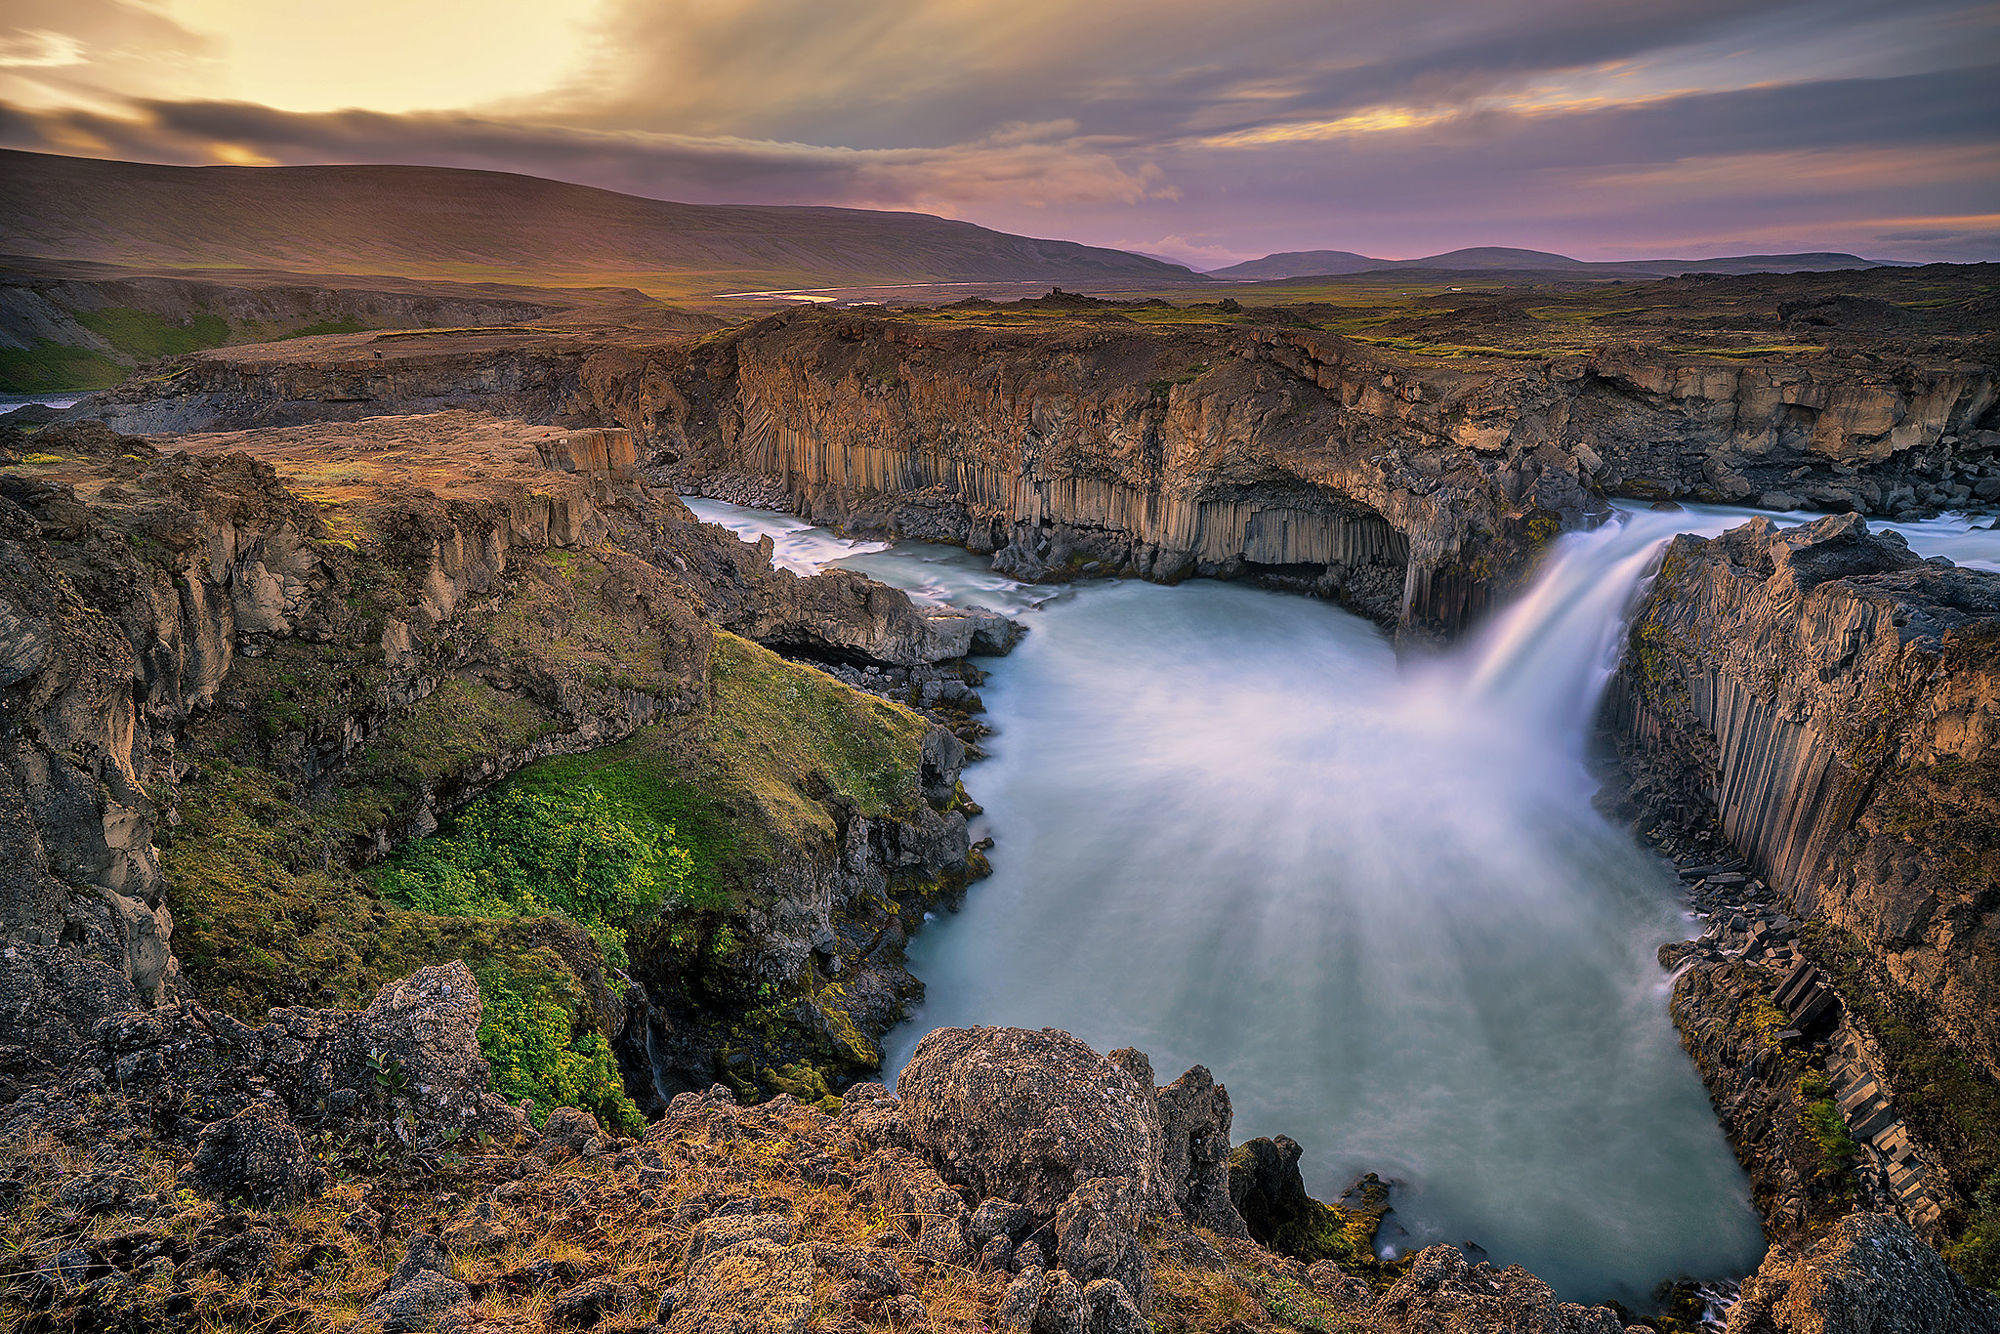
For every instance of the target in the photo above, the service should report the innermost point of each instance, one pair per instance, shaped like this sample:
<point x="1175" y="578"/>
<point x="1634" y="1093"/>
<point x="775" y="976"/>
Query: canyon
<point x="342" y="588"/>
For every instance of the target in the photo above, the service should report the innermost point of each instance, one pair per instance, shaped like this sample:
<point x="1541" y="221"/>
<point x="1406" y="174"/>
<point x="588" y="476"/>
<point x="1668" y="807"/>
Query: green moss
<point x="50" y="367"/>
<point x="518" y="853"/>
<point x="459" y="725"/>
<point x="757" y="770"/>
<point x="143" y="335"/>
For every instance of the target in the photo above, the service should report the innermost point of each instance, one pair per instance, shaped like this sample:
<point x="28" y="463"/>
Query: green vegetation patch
<point x="1976" y="1253"/>
<point x="48" y="368"/>
<point x="518" y="853"/>
<point x="535" y="1033"/>
<point x="752" y="773"/>
<point x="142" y="335"/>
<point x="1822" y="1120"/>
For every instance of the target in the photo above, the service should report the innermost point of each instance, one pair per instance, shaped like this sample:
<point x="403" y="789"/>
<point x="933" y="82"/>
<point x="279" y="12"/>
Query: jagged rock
<point x="1060" y="1310"/>
<point x="237" y="1257"/>
<point x="1023" y="1300"/>
<point x="734" y="1229"/>
<point x="424" y="1255"/>
<point x="1870" y="1275"/>
<point x="1194" y="1151"/>
<point x="475" y="1229"/>
<point x="427" y="1301"/>
<point x="1097" y="1236"/>
<point x="1269" y="1194"/>
<point x="420" y="1034"/>
<point x="257" y="1155"/>
<point x="1444" y="1293"/>
<point x="1108" y="1308"/>
<point x="568" y="1131"/>
<point x="1332" y="1282"/>
<point x="868" y="1274"/>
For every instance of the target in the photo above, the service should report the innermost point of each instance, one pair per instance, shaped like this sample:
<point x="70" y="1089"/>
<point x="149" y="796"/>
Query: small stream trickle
<point x="1377" y="903"/>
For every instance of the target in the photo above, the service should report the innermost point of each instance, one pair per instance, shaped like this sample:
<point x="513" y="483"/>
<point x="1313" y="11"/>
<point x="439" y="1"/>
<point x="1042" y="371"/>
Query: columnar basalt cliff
<point x="1836" y="702"/>
<point x="1412" y="488"/>
<point x="1410" y="491"/>
<point x="1826" y="704"/>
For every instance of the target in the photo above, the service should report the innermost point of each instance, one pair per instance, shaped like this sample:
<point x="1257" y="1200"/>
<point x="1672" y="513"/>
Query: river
<point x="1375" y="902"/>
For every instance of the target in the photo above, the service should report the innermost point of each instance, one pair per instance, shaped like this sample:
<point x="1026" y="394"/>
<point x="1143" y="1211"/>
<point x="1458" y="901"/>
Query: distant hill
<point x="475" y="226"/>
<point x="1299" y="264"/>
<point x="1480" y="259"/>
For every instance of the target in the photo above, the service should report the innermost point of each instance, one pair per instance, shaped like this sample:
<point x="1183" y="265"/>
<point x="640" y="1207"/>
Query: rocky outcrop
<point x="1869" y="1275"/>
<point x="1409" y="489"/>
<point x="880" y="1216"/>
<point x="1760" y="1072"/>
<point x="1835" y="703"/>
<point x="1444" y="1293"/>
<point x="380" y="620"/>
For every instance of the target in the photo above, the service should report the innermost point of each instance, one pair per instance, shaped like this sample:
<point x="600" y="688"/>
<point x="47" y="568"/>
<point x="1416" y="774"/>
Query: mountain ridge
<point x="463" y="224"/>
<point x="1282" y="265"/>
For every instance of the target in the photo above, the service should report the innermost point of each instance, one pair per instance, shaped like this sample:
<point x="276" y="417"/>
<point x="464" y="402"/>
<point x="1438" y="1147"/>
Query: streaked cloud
<point x="1599" y="127"/>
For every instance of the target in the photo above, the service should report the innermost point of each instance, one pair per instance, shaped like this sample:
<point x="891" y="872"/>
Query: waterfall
<point x="1543" y="661"/>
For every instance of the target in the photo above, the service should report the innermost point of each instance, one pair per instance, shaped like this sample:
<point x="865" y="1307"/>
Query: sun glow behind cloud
<point x="1580" y="125"/>
<point x="390" y="55"/>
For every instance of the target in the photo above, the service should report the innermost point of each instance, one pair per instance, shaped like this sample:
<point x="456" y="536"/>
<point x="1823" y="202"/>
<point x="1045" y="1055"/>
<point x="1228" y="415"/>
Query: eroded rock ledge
<point x="1021" y="1182"/>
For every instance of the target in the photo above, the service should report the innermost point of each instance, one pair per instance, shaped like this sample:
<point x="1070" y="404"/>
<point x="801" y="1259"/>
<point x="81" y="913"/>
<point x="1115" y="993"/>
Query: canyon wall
<point x="1833" y="702"/>
<point x="1414" y="489"/>
<point x="1409" y="488"/>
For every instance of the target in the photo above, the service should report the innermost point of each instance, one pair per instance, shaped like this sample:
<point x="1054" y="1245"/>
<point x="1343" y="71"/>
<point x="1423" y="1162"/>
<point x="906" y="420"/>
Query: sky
<point x="1204" y="131"/>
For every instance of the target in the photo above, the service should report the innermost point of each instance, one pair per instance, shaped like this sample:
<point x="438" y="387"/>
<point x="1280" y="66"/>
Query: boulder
<point x="423" y="1293"/>
<point x="1869" y="1275"/>
<point x="256" y="1155"/>
<point x="591" y="1301"/>
<point x="1028" y="1116"/>
<point x="1195" y="1116"/>
<point x="754" y="1287"/>
<point x="428" y="1301"/>
<point x="1270" y="1197"/>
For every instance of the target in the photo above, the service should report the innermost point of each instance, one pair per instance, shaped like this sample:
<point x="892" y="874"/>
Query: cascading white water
<point x="1378" y="904"/>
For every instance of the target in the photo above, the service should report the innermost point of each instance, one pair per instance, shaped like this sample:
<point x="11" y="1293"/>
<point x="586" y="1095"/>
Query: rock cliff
<point x="240" y="669"/>
<point x="1835" y="701"/>
<point x="1412" y="488"/>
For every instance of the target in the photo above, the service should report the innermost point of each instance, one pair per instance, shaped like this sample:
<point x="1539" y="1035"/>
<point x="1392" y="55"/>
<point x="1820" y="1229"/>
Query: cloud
<point x="1030" y="166"/>
<point x="38" y="48"/>
<point x="1599" y="126"/>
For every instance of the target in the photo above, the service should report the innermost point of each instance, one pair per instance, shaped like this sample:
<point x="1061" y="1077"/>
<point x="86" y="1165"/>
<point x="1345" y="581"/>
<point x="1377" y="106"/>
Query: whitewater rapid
<point x="1377" y="903"/>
